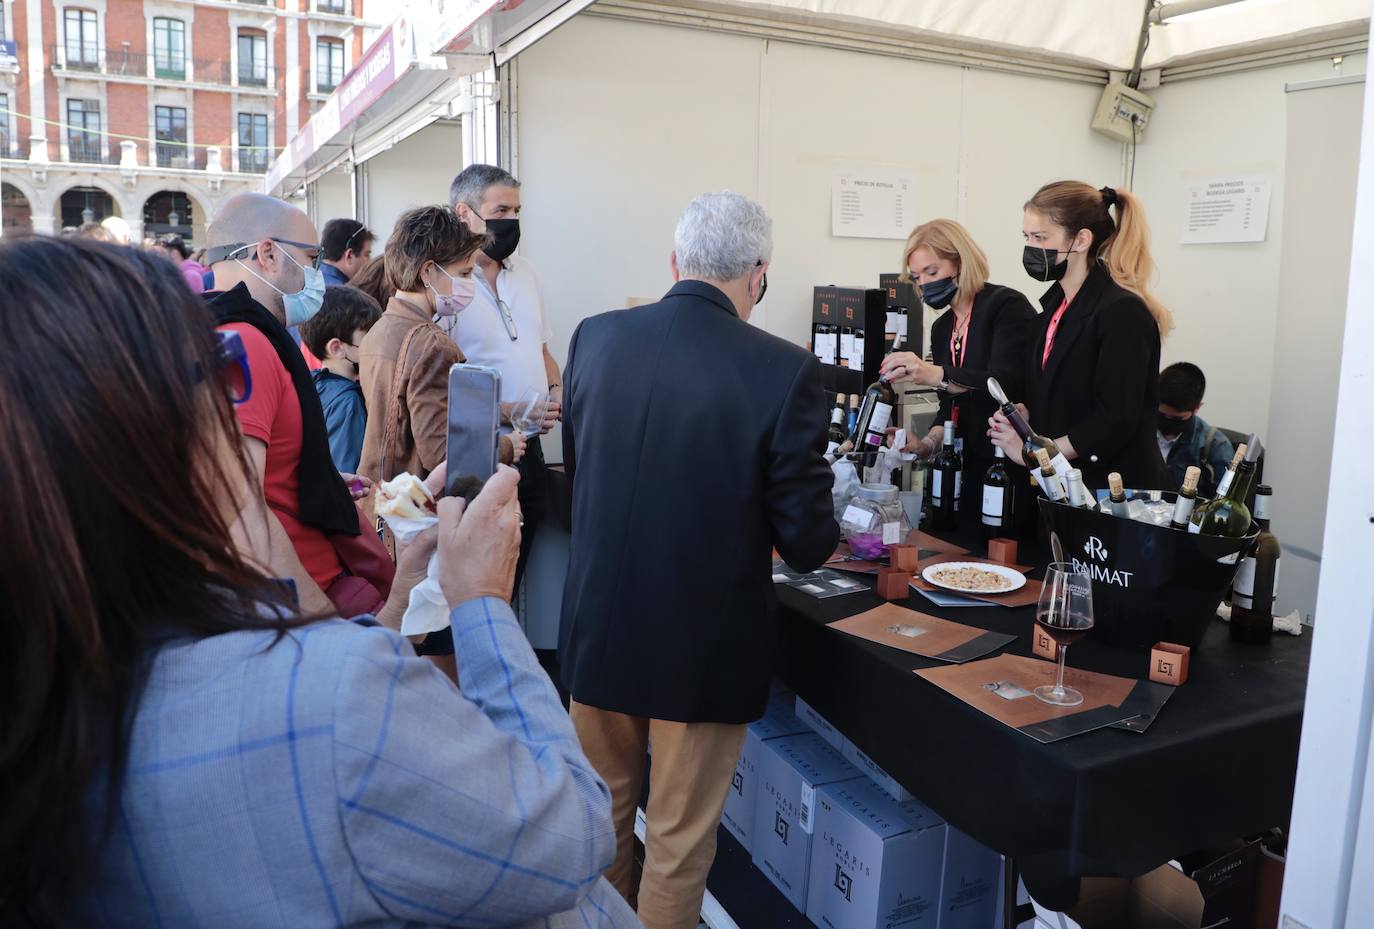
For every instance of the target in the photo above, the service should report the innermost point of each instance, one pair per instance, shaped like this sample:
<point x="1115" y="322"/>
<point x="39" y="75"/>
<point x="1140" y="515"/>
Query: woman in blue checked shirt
<point x="242" y="765"/>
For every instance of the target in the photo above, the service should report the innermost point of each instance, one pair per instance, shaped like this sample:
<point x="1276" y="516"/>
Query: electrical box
<point x="1123" y="113"/>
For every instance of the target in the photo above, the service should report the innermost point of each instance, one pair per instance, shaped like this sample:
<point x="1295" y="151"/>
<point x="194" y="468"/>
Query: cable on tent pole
<point x="1133" y="79"/>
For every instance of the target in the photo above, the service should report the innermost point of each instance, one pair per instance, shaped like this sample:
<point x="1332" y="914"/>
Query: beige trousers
<point x="693" y="765"/>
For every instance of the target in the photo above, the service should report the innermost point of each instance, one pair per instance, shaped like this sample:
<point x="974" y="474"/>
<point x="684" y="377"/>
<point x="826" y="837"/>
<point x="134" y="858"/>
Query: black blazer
<point x="1100" y="386"/>
<point x="694" y="445"/>
<point x="999" y="333"/>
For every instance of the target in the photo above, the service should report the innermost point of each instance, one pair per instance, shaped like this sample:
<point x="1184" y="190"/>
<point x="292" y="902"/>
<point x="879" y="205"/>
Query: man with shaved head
<point x="265" y="257"/>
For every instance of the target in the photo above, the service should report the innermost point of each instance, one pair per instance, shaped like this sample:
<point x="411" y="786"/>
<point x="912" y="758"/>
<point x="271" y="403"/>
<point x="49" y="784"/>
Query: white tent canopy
<point x="1096" y="33"/>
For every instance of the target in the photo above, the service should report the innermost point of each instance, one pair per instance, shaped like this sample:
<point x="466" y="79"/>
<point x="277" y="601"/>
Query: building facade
<point x="156" y="110"/>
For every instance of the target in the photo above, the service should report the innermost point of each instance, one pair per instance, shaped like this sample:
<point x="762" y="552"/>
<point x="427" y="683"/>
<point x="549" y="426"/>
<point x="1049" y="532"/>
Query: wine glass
<point x="1065" y="612"/>
<point x="527" y="413"/>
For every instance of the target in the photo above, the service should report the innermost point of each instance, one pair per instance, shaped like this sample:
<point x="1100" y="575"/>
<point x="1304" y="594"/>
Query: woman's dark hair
<point x="430" y="233"/>
<point x="174" y="243"/>
<point x="372" y="281"/>
<point x="119" y="443"/>
<point x="344" y="310"/>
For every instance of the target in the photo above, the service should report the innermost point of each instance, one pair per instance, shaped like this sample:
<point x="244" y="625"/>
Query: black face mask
<point x="1044" y="264"/>
<point x="1171" y="426"/>
<point x="939" y="294"/>
<point x="505" y="235"/>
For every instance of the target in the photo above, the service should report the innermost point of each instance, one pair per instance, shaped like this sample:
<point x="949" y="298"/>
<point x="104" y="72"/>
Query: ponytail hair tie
<point x="1108" y="197"/>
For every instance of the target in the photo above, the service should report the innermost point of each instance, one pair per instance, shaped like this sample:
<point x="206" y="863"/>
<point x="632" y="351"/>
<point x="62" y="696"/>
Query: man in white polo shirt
<point x="505" y="326"/>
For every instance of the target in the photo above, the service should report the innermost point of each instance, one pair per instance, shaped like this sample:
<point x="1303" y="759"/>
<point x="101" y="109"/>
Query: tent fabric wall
<point x="1103" y="32"/>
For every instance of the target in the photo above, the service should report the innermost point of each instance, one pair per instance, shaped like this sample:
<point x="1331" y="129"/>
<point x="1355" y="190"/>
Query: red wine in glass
<point x="1065" y="612"/>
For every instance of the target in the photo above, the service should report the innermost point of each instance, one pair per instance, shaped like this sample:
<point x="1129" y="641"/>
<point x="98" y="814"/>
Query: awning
<point x="409" y="76"/>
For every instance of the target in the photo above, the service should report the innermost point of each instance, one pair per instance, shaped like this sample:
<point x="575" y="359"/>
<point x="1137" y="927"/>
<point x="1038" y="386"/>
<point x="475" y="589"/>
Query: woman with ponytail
<point x="1093" y="370"/>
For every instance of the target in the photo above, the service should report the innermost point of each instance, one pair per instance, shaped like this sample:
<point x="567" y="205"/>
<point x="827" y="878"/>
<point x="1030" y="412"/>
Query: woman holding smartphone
<point x="1093" y="369"/>
<point x="405" y="358"/>
<point x="985" y="334"/>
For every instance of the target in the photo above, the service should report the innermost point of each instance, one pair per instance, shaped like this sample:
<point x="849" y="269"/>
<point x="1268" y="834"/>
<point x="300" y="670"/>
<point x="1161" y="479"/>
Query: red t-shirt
<point x="273" y="415"/>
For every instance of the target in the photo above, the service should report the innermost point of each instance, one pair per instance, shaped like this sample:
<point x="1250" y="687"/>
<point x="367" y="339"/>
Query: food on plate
<point x="972" y="579"/>
<point x="405" y="496"/>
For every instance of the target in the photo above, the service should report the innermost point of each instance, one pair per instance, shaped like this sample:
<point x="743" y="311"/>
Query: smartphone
<point x="474" y="428"/>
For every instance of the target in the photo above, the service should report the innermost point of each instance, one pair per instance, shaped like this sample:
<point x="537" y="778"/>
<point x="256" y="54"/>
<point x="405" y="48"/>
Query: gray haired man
<point x="505" y="327"/>
<point x="694" y="444"/>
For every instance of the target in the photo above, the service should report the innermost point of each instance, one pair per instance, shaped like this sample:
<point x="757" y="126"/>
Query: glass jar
<point x="873" y="521"/>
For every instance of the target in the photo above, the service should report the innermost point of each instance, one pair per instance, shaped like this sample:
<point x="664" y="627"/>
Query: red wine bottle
<point x="946" y="475"/>
<point x="998" y="498"/>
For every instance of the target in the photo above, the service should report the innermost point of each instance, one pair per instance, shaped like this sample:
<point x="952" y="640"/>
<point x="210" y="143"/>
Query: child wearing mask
<point x="333" y="336"/>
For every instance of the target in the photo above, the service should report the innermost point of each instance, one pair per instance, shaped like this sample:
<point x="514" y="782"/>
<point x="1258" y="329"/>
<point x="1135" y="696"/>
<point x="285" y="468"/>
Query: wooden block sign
<point x="1169" y="663"/>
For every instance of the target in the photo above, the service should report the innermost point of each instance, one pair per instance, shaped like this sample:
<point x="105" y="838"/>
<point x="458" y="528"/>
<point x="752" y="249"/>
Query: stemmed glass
<point x="527" y="413"/>
<point x="1065" y="612"/>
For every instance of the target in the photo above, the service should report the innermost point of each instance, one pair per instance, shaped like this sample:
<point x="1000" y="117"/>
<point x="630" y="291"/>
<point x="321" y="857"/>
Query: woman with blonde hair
<point x="985" y="334"/>
<point x="1093" y="369"/>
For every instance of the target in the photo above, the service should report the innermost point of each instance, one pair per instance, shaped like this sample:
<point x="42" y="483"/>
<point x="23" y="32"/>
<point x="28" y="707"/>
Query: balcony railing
<point x="77" y="56"/>
<point x="90" y="151"/>
<point x="254" y="161"/>
<point x="173" y="155"/>
<point x="337" y="7"/>
<point x="168" y="68"/>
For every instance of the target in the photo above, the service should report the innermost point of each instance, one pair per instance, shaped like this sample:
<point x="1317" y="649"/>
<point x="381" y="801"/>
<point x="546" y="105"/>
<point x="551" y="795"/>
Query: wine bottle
<point x="1076" y="492"/>
<point x="945" y="475"/>
<point x="1031" y="440"/>
<point x="1227" y="516"/>
<point x="846" y="347"/>
<point x="958" y="438"/>
<point x="853" y="414"/>
<point x="1230" y="474"/>
<point x="1257" y="579"/>
<point x="836" y="434"/>
<point x="1116" y="500"/>
<point x="837" y="452"/>
<point x="1049" y="481"/>
<point x="856" y="358"/>
<point x="998" y="498"/>
<point x="875" y="415"/>
<point x="1187" y="497"/>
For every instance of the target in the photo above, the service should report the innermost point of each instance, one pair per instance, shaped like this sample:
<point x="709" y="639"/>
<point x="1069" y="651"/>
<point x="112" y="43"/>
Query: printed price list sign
<point x="1232" y="209"/>
<point x="870" y="202"/>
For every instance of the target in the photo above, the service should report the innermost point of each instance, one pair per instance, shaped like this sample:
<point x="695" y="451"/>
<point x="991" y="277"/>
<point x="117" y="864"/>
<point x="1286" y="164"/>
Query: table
<point x="1218" y="763"/>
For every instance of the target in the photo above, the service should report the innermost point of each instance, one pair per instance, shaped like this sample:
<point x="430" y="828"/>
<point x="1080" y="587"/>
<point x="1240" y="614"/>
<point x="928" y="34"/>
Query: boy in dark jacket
<point x="333" y="336"/>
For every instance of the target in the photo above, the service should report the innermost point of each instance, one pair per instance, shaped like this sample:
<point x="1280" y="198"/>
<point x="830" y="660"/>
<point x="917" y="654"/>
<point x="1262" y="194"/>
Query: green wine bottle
<point x="1227" y="515"/>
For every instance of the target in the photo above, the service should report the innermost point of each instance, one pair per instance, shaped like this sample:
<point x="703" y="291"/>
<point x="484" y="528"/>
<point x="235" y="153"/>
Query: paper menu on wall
<point x="1226" y="209"/>
<point x="870" y="202"/>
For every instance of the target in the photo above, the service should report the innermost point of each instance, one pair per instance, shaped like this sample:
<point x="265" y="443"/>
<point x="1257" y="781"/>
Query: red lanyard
<point x="1050" y="333"/>
<point x="958" y="344"/>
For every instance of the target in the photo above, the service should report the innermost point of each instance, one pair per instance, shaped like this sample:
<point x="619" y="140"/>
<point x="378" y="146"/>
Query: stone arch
<point x="201" y="203"/>
<point x="17" y="209"/>
<point x="97" y="183"/>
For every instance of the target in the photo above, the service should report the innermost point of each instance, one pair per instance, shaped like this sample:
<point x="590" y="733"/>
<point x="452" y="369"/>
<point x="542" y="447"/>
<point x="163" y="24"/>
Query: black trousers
<point x="534" y="501"/>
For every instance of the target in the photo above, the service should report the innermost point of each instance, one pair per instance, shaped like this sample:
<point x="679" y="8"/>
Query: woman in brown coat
<point x="405" y="358"/>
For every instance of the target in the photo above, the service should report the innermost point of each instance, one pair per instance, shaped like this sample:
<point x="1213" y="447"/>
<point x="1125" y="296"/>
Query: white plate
<point x="1018" y="580"/>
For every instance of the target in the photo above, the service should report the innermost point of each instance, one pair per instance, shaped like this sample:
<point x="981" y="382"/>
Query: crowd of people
<point x="211" y="717"/>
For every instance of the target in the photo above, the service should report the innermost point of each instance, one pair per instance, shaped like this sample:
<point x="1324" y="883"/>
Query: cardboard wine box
<point x="855" y="756"/>
<point x="822" y="726"/>
<point x="874" y="862"/>
<point x="790" y="770"/>
<point x="777" y="721"/>
<point x="971" y="888"/>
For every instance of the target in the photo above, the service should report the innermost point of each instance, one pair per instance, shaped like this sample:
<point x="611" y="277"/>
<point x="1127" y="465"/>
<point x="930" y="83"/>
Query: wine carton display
<point x="855" y="756"/>
<point x="1150" y="583"/>
<point x="777" y="721"/>
<point x="820" y="725"/>
<point x="874" y="862"/>
<point x="791" y="769"/>
<point x="848" y="317"/>
<point x="971" y="886"/>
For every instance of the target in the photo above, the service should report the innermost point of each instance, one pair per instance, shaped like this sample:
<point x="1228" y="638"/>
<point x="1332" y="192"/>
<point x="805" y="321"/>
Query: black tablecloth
<point x="1218" y="763"/>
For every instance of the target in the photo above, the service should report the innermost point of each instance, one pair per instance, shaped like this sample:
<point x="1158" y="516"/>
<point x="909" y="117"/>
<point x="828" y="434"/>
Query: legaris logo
<point x="844" y="883"/>
<point x="1099" y="568"/>
<point x="780" y="826"/>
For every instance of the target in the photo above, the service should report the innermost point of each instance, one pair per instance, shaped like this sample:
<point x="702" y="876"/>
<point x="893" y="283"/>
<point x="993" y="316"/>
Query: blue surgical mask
<point x="304" y="303"/>
<point x="938" y="294"/>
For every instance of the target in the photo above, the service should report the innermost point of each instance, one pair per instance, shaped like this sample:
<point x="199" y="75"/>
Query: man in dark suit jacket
<point x="693" y="441"/>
